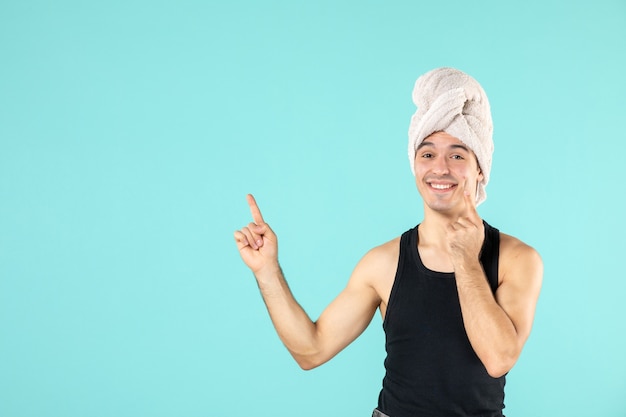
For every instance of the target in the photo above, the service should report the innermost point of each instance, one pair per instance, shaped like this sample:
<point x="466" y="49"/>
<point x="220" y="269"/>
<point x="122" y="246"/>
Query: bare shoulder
<point x="517" y="259"/>
<point x="377" y="270"/>
<point x="381" y="259"/>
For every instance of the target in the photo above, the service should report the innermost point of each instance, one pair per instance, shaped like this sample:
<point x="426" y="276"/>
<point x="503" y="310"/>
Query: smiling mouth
<point x="442" y="187"/>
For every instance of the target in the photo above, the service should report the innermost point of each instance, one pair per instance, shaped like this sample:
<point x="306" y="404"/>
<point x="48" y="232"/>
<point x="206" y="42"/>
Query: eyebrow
<point x="453" y="146"/>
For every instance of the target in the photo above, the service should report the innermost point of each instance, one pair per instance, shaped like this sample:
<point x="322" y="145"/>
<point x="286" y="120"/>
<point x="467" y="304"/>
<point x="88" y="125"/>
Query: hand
<point x="257" y="243"/>
<point x="466" y="235"/>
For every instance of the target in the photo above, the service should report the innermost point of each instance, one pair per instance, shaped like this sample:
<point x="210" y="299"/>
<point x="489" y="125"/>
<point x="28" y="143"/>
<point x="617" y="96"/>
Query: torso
<point x="429" y="354"/>
<point x="387" y="263"/>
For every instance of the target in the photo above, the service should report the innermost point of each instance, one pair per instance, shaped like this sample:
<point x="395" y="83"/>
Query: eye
<point x="457" y="157"/>
<point x="427" y="155"/>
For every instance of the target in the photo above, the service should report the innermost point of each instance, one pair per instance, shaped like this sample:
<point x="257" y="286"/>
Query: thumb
<point x="265" y="231"/>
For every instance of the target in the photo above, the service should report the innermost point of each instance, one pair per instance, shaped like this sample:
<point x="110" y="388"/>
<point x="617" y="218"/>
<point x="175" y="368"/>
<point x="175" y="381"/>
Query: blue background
<point x="130" y="132"/>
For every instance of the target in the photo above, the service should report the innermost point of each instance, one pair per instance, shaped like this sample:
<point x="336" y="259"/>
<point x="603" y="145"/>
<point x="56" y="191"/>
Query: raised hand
<point x="466" y="234"/>
<point x="257" y="242"/>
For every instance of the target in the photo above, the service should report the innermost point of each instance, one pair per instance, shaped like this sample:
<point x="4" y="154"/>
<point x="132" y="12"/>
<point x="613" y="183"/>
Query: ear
<point x="480" y="176"/>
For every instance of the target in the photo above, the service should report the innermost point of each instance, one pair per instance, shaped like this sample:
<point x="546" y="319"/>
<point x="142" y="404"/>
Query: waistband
<point x="378" y="413"/>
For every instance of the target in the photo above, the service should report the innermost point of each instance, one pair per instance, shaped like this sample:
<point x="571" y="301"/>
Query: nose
<point x="440" y="166"/>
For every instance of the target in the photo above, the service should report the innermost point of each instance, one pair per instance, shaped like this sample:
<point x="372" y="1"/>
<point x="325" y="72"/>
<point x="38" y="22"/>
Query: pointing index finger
<point x="470" y="200"/>
<point x="254" y="209"/>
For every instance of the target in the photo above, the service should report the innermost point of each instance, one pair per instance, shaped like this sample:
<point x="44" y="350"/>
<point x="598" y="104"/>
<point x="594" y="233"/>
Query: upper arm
<point x="521" y="272"/>
<point x="349" y="314"/>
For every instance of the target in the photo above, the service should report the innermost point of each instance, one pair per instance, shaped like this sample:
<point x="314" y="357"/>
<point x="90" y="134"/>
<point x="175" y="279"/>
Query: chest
<point x="435" y="259"/>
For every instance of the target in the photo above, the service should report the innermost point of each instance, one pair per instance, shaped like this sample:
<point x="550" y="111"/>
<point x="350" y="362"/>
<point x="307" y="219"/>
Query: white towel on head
<point x="451" y="101"/>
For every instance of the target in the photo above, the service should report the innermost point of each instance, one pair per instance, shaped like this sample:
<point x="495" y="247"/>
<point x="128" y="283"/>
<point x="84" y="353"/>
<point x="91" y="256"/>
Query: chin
<point x="443" y="207"/>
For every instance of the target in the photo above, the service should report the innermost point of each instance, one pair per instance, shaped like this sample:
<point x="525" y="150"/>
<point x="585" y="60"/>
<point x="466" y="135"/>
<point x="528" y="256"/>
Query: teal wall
<point x="130" y="132"/>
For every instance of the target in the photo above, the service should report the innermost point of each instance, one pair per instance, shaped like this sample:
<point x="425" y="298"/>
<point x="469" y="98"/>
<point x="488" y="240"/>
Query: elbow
<point x="306" y="365"/>
<point x="498" y="362"/>
<point x="499" y="367"/>
<point x="497" y="371"/>
<point x="307" y="362"/>
<point x="310" y="357"/>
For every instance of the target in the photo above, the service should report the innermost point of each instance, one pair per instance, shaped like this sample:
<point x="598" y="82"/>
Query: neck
<point x="433" y="228"/>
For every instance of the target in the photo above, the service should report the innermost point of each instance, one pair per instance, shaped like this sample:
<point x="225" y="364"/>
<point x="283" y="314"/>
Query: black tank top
<point x="432" y="370"/>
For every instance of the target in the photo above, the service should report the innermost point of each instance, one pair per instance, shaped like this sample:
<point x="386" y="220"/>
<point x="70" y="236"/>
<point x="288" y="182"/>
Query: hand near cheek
<point x="466" y="234"/>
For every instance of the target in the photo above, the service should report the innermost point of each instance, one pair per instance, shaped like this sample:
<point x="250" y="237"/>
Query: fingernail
<point x="259" y="242"/>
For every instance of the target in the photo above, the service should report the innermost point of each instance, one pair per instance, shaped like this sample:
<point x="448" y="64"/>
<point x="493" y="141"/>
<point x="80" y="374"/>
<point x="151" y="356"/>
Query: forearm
<point x="258" y="247"/>
<point x="491" y="332"/>
<point x="294" y="327"/>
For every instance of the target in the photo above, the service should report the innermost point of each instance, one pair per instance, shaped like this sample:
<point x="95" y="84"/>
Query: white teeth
<point x="441" y="186"/>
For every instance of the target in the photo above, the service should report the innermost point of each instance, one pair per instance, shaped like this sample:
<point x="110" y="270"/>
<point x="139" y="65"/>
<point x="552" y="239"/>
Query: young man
<point x="457" y="296"/>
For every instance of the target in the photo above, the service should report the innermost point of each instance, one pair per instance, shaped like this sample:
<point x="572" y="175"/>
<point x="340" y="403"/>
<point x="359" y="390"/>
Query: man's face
<point x="444" y="166"/>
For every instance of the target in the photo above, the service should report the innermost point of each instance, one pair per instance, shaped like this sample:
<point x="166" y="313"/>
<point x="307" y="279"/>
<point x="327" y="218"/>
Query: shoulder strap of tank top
<point x="405" y="243"/>
<point x="490" y="254"/>
<point x="405" y="251"/>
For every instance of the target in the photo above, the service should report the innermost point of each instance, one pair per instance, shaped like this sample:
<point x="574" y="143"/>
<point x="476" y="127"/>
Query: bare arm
<point x="497" y="327"/>
<point x="310" y="343"/>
